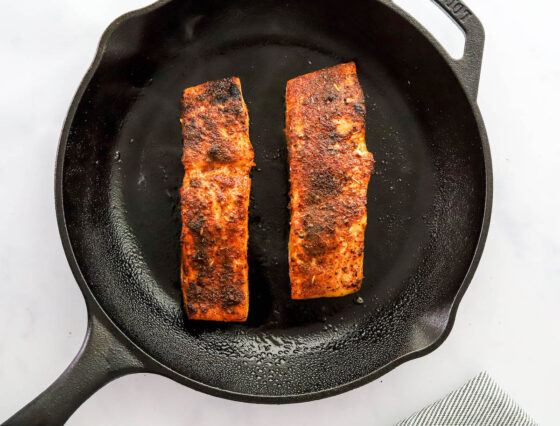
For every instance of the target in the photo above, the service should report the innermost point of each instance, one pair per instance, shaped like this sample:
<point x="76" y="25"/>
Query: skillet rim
<point x="94" y="308"/>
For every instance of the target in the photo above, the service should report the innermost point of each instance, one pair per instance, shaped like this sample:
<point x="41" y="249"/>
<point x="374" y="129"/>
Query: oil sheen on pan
<point x="330" y="169"/>
<point x="217" y="157"/>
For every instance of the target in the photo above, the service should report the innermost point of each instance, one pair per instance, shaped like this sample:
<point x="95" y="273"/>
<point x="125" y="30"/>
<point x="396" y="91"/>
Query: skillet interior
<point x="122" y="172"/>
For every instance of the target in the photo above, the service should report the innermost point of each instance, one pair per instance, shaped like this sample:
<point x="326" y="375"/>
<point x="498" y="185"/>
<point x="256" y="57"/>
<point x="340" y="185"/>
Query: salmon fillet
<point x="217" y="157"/>
<point x="330" y="168"/>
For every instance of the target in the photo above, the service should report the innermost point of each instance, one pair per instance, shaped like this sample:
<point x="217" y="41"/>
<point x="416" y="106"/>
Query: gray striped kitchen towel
<point x="478" y="403"/>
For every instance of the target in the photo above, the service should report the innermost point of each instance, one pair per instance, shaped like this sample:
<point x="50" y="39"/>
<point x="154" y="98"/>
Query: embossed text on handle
<point x="457" y="8"/>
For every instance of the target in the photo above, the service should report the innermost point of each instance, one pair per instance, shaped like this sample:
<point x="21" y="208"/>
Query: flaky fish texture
<point x="217" y="157"/>
<point x="330" y="169"/>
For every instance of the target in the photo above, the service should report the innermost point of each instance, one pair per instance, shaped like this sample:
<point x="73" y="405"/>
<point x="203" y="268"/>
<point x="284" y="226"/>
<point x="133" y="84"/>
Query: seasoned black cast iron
<point x="118" y="174"/>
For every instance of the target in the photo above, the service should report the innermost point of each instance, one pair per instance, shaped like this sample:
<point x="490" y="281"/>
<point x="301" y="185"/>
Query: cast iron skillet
<point x="118" y="173"/>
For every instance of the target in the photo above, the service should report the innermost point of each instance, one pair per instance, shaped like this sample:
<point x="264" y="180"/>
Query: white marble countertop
<point x="507" y="323"/>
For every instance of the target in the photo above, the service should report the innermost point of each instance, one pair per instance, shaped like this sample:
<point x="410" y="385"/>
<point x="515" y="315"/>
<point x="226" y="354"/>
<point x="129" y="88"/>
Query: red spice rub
<point x="330" y="169"/>
<point x="217" y="156"/>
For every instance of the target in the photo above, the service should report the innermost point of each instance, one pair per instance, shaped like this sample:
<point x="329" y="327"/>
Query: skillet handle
<point x="468" y="67"/>
<point x="102" y="358"/>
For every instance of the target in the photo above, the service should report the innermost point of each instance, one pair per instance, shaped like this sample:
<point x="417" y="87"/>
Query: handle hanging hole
<point x="445" y="31"/>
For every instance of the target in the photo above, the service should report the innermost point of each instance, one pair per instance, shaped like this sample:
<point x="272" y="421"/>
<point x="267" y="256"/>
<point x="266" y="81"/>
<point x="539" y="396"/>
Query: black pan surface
<point x="428" y="203"/>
